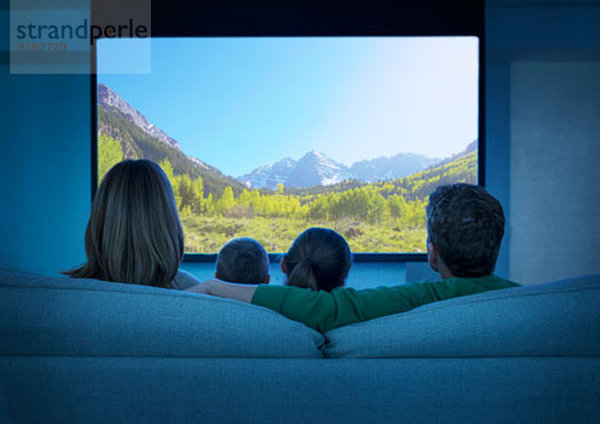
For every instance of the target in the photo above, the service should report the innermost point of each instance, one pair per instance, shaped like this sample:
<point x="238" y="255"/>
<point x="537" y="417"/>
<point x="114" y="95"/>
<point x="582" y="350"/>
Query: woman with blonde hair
<point x="134" y="234"/>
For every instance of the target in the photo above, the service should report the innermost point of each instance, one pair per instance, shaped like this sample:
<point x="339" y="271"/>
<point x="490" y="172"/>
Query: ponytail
<point x="319" y="259"/>
<point x="303" y="275"/>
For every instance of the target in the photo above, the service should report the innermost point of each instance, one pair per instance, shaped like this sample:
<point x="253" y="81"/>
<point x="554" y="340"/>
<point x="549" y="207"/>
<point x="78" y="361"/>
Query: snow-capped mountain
<point x="138" y="138"/>
<point x="390" y="168"/>
<point x="315" y="168"/>
<point x="268" y="176"/>
<point x="112" y="101"/>
<point x="312" y="169"/>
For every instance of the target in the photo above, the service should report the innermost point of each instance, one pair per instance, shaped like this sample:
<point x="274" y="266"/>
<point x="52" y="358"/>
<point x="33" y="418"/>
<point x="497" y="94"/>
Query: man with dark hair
<point x="465" y="225"/>
<point x="243" y="260"/>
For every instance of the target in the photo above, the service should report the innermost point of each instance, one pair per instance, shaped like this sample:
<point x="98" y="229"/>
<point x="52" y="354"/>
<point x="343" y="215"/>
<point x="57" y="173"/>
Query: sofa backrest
<point x="83" y="317"/>
<point x="554" y="319"/>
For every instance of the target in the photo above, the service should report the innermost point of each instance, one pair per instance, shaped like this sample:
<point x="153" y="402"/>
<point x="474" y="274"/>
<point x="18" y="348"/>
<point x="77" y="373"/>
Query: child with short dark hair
<point x="243" y="260"/>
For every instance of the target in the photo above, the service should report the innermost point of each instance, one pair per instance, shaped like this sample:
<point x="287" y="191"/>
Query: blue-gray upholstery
<point x="79" y="317"/>
<point x="555" y="319"/>
<point x="85" y="351"/>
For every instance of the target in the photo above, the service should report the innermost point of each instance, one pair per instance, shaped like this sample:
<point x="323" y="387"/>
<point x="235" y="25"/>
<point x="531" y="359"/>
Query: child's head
<point x="319" y="259"/>
<point x="243" y="260"/>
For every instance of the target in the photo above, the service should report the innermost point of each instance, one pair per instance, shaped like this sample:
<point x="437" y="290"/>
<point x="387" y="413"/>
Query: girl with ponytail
<point x="319" y="259"/>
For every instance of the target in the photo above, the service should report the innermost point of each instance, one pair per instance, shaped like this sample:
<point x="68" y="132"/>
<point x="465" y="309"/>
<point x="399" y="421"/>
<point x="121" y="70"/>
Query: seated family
<point x="134" y="235"/>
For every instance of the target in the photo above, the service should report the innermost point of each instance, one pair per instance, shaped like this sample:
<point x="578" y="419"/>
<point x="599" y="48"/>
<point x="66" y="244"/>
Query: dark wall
<point x="543" y="121"/>
<point x="44" y="166"/>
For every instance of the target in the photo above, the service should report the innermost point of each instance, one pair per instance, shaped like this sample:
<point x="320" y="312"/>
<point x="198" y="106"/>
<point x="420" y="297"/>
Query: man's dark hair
<point x="243" y="260"/>
<point x="465" y="224"/>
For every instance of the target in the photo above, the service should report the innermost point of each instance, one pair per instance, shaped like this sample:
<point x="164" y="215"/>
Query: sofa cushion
<point x="554" y="319"/>
<point x="83" y="317"/>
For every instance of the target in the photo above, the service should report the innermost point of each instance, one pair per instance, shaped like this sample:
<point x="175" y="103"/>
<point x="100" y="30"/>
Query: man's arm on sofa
<point x="241" y="292"/>
<point x="321" y="310"/>
<point x="317" y="309"/>
<point x="324" y="311"/>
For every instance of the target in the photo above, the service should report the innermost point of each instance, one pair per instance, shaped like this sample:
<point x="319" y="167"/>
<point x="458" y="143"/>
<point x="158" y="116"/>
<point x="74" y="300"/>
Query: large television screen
<point x="264" y="137"/>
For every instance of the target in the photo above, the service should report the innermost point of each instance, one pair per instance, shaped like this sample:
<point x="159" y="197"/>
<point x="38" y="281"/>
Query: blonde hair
<point x="134" y="234"/>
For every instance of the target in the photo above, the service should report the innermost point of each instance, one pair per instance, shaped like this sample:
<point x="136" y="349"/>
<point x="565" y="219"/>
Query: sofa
<point x="87" y="351"/>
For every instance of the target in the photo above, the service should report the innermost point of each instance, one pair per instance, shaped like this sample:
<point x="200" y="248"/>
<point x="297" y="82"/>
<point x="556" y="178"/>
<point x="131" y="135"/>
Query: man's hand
<point x="203" y="287"/>
<point x="241" y="292"/>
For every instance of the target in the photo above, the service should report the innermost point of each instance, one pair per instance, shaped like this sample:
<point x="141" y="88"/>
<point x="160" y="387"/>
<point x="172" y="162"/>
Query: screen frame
<point x="308" y="18"/>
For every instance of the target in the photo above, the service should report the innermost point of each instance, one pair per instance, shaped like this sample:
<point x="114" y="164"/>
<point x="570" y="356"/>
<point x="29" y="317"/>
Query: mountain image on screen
<point x="377" y="204"/>
<point x="315" y="168"/>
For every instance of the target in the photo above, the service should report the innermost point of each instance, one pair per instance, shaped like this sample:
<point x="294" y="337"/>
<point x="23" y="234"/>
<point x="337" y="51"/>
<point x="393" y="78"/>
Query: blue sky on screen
<point x="238" y="103"/>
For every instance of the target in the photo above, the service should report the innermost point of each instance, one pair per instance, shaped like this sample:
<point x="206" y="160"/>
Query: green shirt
<point x="324" y="311"/>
